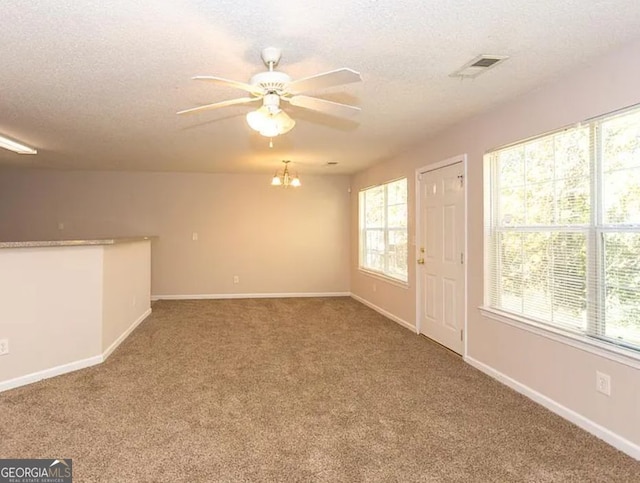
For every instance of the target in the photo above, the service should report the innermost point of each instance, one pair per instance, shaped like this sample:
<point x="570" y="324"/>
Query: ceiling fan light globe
<point x="270" y="128"/>
<point x="285" y="123"/>
<point x="275" y="181"/>
<point x="295" y="182"/>
<point x="257" y="119"/>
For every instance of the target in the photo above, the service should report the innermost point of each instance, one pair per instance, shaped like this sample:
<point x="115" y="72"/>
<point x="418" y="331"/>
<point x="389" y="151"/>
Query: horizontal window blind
<point x="619" y="227"/>
<point x="563" y="229"/>
<point x="383" y="229"/>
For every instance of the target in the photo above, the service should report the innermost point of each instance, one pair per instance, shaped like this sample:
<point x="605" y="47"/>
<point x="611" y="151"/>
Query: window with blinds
<point x="383" y="229"/>
<point x="563" y="229"/>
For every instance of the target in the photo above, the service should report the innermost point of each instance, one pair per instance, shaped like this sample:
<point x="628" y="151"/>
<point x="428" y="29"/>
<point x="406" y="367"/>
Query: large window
<point x="383" y="229"/>
<point x="563" y="221"/>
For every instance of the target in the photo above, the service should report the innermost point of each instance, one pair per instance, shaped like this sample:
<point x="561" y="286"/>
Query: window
<point x="383" y="229"/>
<point x="563" y="220"/>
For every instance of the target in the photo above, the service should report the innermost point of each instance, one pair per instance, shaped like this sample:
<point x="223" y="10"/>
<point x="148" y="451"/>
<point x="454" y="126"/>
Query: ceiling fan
<point x="273" y="87"/>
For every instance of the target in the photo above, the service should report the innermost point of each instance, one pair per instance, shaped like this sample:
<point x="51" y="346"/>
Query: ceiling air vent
<point x="478" y="65"/>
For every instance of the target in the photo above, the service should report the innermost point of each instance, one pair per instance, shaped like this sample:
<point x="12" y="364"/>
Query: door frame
<point x="461" y="158"/>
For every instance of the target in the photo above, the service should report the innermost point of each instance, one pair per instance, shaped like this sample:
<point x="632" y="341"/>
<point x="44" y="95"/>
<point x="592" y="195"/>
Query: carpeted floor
<point x="293" y="390"/>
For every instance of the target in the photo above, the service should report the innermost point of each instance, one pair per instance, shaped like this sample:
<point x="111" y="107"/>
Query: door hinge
<point x="462" y="335"/>
<point x="461" y="258"/>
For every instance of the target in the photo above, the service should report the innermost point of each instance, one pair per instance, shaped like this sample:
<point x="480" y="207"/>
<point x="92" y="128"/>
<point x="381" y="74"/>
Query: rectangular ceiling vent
<point x="478" y="65"/>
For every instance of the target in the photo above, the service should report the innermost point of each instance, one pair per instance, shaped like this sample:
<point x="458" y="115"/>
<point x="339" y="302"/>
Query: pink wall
<point x="538" y="363"/>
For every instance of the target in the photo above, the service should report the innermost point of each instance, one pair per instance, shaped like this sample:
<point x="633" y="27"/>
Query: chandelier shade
<point x="284" y="178"/>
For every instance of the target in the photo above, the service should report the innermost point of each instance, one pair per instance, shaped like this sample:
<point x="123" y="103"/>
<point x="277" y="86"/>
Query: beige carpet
<point x="293" y="390"/>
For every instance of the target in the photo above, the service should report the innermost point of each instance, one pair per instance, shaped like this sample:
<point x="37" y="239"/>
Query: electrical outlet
<point x="603" y="383"/>
<point x="375" y="287"/>
<point x="236" y="279"/>
<point x="194" y="236"/>
<point x="4" y="347"/>
<point x="60" y="226"/>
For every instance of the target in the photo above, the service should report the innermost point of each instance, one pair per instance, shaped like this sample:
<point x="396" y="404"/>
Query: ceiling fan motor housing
<point x="272" y="82"/>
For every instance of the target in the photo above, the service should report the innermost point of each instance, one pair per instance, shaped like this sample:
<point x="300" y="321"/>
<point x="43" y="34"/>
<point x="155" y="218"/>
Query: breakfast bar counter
<point x="67" y="304"/>
<point x="70" y="243"/>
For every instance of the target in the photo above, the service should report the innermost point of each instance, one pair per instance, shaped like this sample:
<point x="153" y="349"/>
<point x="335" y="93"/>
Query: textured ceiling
<point x="96" y="84"/>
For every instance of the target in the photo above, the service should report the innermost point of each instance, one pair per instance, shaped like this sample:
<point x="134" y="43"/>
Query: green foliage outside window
<point x="565" y="229"/>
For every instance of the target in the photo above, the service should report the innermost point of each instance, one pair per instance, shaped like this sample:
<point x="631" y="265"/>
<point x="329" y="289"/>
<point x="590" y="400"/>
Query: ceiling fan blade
<point x="322" y="105"/>
<point x="257" y="90"/>
<point x="327" y="79"/>
<point x="216" y="105"/>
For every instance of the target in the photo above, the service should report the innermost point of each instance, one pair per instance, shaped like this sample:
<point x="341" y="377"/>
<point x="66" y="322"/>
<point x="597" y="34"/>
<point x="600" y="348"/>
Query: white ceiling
<point x="95" y="84"/>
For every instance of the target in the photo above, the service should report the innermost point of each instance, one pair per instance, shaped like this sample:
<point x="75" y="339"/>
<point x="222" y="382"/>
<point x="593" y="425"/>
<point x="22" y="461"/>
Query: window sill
<point x="628" y="357"/>
<point x="384" y="278"/>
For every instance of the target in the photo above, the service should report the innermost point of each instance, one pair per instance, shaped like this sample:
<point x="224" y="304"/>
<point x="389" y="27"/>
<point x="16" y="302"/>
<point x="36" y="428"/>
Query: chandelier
<point x="284" y="178"/>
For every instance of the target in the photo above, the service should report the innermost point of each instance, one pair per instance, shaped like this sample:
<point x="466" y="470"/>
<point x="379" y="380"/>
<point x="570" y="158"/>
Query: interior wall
<point x="563" y="374"/>
<point x="126" y="288"/>
<point x="275" y="240"/>
<point x="50" y="307"/>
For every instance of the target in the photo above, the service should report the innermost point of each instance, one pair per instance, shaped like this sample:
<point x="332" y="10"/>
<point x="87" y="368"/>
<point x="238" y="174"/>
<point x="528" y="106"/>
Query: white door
<point x="441" y="287"/>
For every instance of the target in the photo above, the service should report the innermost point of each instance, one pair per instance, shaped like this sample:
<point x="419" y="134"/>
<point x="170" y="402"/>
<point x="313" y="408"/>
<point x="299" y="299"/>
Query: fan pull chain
<point x="270" y="142"/>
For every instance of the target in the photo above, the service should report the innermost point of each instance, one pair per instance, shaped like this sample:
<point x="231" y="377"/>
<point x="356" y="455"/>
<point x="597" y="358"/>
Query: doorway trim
<point x="432" y="167"/>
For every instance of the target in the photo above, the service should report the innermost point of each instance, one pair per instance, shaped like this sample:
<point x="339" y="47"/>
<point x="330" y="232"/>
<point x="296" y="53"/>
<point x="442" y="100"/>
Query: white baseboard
<point x="125" y="334"/>
<point x="249" y="295"/>
<point x="71" y="366"/>
<point x="388" y="315"/>
<point x="601" y="432"/>
<point x="51" y="372"/>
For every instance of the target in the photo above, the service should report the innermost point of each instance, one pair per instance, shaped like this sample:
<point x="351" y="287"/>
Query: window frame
<point x="593" y="338"/>
<point x="384" y="274"/>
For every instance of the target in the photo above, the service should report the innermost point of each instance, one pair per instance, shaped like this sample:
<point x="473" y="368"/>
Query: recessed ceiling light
<point x="478" y="65"/>
<point x="15" y="146"/>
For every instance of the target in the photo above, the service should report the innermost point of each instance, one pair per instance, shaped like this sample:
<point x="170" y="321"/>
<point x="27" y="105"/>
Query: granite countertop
<point x="72" y="243"/>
